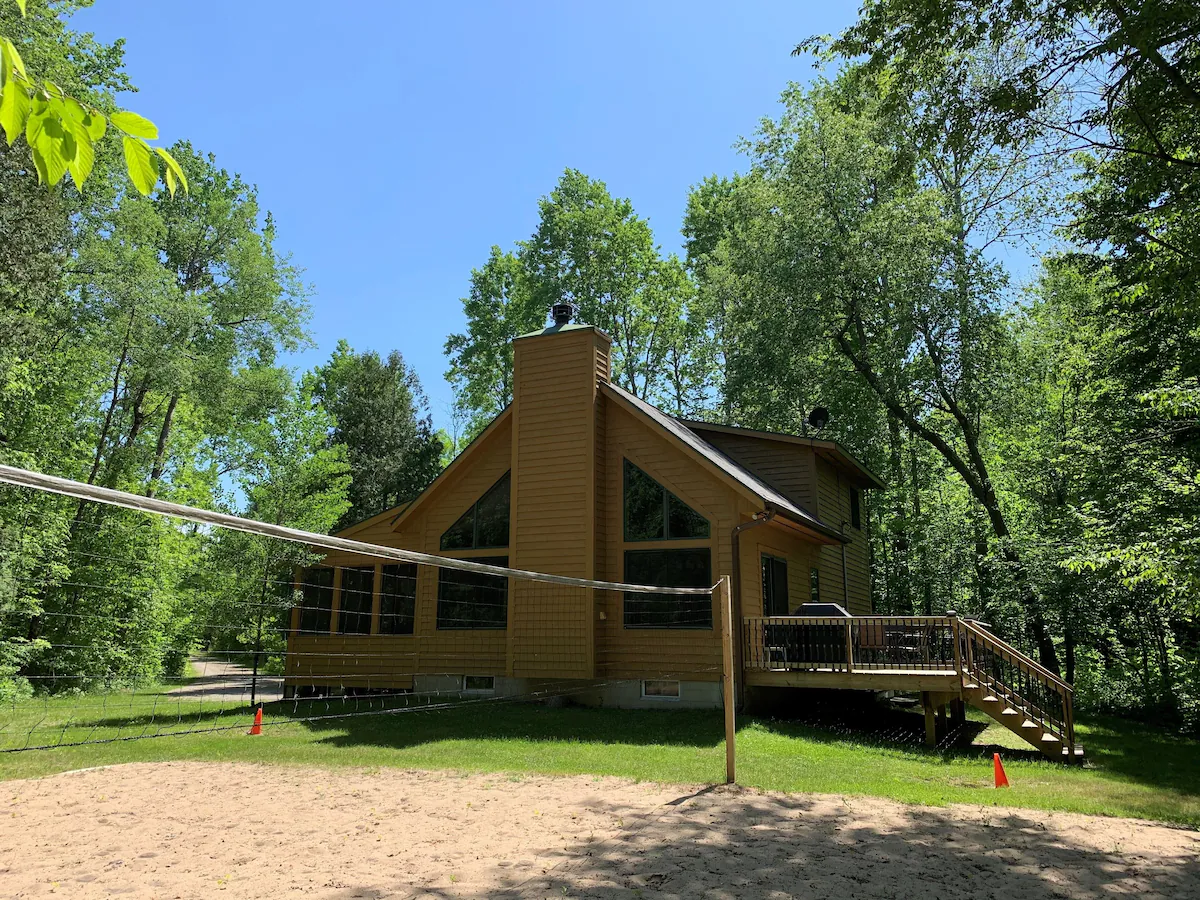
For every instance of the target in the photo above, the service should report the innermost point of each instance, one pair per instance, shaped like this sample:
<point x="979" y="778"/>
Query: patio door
<point x="774" y="585"/>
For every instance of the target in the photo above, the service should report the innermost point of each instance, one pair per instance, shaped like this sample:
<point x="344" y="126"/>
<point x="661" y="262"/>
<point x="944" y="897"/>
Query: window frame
<point x="304" y="607"/>
<point x="667" y="496"/>
<point x="814" y="585"/>
<point x="473" y="512"/>
<point x="629" y="597"/>
<point x="385" y="596"/>
<point x="855" y="508"/>
<point x="442" y="602"/>
<point x="358" y="614"/>
<point x="467" y="689"/>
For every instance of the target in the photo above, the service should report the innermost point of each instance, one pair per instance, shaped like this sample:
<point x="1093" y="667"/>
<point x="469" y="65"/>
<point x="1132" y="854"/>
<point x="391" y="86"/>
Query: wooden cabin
<point x="578" y="477"/>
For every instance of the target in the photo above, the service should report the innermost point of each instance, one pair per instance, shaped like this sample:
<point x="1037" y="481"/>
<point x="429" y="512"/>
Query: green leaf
<point x="21" y="7"/>
<point x="174" y="168"/>
<point x="11" y="60"/>
<point x="35" y="122"/>
<point x="14" y="110"/>
<point x="141" y="165"/>
<point x="133" y="124"/>
<point x="169" y="177"/>
<point x="81" y="166"/>
<point x="95" y="124"/>
<point x="57" y="149"/>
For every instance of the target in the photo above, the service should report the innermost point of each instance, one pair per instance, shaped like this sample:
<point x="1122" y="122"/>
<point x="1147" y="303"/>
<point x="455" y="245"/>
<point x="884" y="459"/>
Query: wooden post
<point x="849" y="645"/>
<point x="930" y="719"/>
<point x="727" y="657"/>
<point x="956" y="636"/>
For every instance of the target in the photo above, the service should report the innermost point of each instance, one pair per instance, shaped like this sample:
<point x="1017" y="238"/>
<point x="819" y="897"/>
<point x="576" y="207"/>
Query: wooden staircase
<point x="1027" y="699"/>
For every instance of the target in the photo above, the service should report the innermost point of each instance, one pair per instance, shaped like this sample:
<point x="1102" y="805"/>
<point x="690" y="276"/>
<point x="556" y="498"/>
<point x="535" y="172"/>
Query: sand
<point x="204" y="830"/>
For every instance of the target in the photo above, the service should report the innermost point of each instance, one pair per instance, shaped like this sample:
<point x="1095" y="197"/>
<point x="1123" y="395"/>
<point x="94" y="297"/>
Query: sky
<point x="395" y="143"/>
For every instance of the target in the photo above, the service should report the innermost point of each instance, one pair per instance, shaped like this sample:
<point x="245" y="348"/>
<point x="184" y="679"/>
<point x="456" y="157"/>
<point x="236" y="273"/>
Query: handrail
<point x="1025" y="660"/>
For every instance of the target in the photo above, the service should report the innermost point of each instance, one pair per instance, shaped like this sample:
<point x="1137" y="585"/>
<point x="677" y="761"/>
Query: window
<point x="472" y="600"/>
<point x="397" y="599"/>
<point x="660" y="690"/>
<point x="483" y="525"/>
<point x="479" y="684"/>
<point x="774" y="586"/>
<point x="814" y="585"/>
<point x="354" y="612"/>
<point x="652" y="513"/>
<point x="673" y="568"/>
<point x="316" y="600"/>
<point x="855" y="509"/>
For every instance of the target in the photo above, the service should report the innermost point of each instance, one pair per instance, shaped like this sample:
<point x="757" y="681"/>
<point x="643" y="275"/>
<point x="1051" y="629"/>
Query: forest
<point x="971" y="236"/>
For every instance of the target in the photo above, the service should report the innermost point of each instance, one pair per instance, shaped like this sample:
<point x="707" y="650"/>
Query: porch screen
<point x="316" y="600"/>
<point x="471" y="600"/>
<point x="668" y="568"/>
<point x="354" y="611"/>
<point x="398" y="599"/>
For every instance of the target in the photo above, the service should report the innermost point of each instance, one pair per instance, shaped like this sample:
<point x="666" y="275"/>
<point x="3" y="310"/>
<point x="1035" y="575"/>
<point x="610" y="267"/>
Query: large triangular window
<point x="652" y="513"/>
<point x="483" y="525"/>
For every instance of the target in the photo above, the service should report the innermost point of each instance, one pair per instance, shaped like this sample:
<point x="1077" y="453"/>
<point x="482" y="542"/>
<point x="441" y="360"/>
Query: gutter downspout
<point x="760" y="518"/>
<point x="845" y="577"/>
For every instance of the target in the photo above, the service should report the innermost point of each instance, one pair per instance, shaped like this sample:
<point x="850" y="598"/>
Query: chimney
<point x="562" y="313"/>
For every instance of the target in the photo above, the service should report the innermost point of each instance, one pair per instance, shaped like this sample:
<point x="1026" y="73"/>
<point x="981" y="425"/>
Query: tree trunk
<point x="160" y="451"/>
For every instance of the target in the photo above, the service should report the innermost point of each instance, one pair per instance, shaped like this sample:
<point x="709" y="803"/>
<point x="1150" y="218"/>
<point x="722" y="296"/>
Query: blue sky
<point x="396" y="142"/>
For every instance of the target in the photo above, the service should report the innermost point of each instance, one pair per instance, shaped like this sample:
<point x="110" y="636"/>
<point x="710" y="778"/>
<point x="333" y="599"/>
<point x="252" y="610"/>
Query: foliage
<point x="62" y="132"/>
<point x="382" y="420"/>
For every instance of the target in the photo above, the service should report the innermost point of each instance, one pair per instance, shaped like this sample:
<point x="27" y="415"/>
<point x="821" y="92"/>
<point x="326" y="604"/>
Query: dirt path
<point x="226" y="682"/>
<point x="194" y="829"/>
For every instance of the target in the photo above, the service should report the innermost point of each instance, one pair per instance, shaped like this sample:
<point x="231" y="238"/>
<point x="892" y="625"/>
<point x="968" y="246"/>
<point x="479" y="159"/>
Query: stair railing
<point x="1013" y="677"/>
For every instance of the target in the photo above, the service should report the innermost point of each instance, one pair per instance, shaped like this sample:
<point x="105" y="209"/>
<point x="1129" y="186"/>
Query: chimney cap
<point x="562" y="313"/>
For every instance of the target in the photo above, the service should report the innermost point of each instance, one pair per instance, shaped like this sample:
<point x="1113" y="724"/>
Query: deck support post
<point x="930" y="719"/>
<point x="725" y="595"/>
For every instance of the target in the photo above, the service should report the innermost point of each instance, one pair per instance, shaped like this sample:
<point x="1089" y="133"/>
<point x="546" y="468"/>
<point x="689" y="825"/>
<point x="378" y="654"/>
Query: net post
<point x="726" y="599"/>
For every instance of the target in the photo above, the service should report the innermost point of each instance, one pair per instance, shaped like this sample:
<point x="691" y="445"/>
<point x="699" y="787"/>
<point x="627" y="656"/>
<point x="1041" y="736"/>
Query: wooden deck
<point x="948" y="660"/>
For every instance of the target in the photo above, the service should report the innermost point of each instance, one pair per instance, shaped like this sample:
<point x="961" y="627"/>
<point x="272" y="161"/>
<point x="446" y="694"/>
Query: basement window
<point x="479" y="684"/>
<point x="354" y="611"/>
<point x="316" y="600"/>
<point x="485" y="524"/>
<point x="660" y="690"/>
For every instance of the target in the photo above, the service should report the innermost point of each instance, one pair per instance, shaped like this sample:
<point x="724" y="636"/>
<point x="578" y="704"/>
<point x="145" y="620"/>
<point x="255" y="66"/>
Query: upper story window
<point x="855" y="508"/>
<point x="652" y="513"/>
<point x="485" y="524"/>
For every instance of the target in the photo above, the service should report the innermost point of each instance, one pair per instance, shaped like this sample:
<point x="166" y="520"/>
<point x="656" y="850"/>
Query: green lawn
<point x="1135" y="770"/>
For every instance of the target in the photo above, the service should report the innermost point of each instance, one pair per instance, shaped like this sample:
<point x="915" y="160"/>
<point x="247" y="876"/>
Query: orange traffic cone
<point x="256" y="728"/>
<point x="1001" y="778"/>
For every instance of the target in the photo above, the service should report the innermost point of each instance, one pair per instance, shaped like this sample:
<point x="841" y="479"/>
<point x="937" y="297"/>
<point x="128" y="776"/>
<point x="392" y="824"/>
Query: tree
<point x="382" y="419"/>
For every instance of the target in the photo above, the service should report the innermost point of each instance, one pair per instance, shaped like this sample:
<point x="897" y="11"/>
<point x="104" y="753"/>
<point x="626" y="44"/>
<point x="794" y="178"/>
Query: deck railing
<point x="1013" y="677"/>
<point x="912" y="644"/>
<point x="858" y="644"/>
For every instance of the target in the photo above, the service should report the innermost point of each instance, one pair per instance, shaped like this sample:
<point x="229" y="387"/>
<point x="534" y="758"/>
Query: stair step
<point x="990" y="699"/>
<point x="1048" y="738"/>
<point x="971" y="687"/>
<point x="1030" y="725"/>
<point x="1009" y="711"/>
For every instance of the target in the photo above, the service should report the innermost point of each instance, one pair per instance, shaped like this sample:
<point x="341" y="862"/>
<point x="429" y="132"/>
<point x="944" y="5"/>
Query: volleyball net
<point x="124" y="617"/>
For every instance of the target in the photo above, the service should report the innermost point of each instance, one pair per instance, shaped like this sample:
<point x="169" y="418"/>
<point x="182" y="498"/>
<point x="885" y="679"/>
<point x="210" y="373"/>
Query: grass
<point x="1135" y="770"/>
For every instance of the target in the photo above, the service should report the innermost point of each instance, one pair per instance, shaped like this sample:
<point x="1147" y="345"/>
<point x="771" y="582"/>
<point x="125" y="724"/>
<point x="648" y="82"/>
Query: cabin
<point x="578" y="477"/>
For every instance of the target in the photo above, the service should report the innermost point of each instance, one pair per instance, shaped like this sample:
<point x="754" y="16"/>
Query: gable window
<point x="485" y="524"/>
<point x="814" y="585"/>
<point x="397" y="599"/>
<point x="652" y="513"/>
<point x="316" y="600"/>
<point x="668" y="568"/>
<point x="469" y="600"/>
<point x="855" y="508"/>
<point x="354" y="612"/>
<point x="774" y="585"/>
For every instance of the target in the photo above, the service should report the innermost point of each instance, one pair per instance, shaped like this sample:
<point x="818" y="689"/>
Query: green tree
<point x="382" y="419"/>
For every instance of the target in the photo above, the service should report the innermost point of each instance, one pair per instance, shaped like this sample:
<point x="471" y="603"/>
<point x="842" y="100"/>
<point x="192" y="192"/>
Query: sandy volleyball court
<point x="202" y="830"/>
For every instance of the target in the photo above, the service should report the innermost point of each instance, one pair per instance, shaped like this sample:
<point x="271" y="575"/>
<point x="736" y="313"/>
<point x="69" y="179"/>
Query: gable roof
<point x="828" y="450"/>
<point x="741" y="478"/>
<point x="363" y="524"/>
